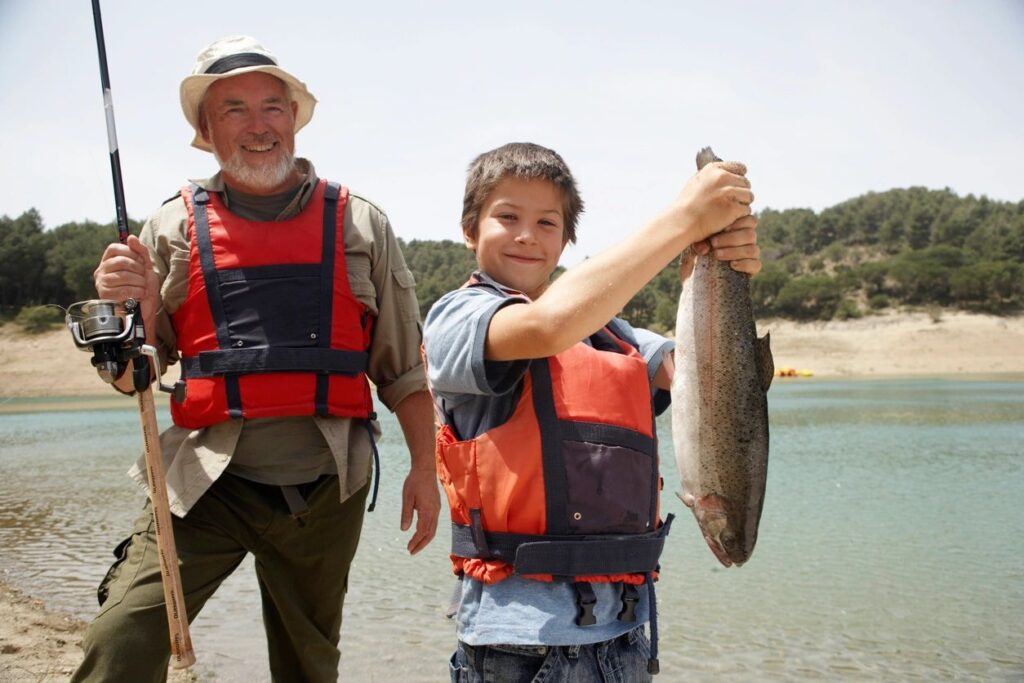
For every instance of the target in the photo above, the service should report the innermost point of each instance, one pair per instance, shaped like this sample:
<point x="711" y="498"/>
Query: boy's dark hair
<point x="519" y="160"/>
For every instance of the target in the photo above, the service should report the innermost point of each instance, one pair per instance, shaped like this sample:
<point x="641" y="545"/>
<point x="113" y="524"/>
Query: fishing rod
<point x="108" y="109"/>
<point x="115" y="334"/>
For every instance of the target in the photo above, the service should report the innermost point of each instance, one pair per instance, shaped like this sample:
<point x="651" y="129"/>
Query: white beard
<point x="257" y="177"/>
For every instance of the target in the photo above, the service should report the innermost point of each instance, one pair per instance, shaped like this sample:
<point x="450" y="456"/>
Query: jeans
<point x="620" y="660"/>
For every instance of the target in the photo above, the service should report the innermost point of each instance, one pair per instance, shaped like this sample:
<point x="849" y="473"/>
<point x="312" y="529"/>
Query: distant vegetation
<point x="912" y="247"/>
<point x="903" y="247"/>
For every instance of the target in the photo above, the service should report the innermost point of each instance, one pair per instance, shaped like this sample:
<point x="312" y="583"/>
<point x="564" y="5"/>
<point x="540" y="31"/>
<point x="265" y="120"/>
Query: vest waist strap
<point x="274" y="359"/>
<point x="564" y="555"/>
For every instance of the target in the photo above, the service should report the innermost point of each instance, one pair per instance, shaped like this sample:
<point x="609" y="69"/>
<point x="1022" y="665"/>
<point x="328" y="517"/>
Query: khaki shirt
<point x="378" y="277"/>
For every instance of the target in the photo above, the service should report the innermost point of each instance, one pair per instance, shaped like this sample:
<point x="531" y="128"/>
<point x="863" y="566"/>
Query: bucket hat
<point x="234" y="56"/>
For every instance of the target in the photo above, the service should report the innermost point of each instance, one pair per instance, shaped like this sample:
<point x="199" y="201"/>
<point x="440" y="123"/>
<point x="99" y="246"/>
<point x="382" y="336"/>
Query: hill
<point x="889" y="250"/>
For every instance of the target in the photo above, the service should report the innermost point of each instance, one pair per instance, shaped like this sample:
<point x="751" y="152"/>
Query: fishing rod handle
<point x="182" y="654"/>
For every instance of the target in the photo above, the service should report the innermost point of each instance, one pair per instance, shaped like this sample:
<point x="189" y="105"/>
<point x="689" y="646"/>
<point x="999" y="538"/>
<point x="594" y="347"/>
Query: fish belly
<point x="719" y="408"/>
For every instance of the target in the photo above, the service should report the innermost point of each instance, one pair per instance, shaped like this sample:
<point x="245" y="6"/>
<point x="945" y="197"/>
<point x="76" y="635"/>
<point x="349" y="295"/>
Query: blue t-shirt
<point x="475" y="395"/>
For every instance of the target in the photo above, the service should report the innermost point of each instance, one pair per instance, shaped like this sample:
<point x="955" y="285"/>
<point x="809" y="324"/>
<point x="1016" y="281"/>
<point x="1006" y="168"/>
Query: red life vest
<point x="270" y="327"/>
<point x="568" y="486"/>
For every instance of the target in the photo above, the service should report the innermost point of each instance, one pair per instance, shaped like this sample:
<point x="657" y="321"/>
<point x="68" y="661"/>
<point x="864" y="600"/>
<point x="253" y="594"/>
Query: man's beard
<point x="262" y="177"/>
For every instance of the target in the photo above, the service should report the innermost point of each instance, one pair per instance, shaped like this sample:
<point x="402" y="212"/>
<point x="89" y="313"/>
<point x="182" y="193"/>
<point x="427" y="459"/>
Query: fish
<point x="720" y="405"/>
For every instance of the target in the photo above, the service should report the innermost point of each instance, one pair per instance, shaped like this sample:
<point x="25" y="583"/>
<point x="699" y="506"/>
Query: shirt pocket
<point x="405" y="283"/>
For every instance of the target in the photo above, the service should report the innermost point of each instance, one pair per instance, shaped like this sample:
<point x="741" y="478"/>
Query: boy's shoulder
<point x="479" y="292"/>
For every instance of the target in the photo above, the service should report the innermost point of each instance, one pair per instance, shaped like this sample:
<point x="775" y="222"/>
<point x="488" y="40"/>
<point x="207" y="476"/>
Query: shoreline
<point x="899" y="345"/>
<point x="41" y="644"/>
<point x="46" y="371"/>
<point x="36" y="643"/>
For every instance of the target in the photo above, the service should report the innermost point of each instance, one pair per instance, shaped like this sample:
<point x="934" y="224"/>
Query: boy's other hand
<point x="737" y="244"/>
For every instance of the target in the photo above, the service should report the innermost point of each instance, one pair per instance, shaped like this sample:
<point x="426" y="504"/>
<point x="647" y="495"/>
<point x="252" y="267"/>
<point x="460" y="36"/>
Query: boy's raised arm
<point x="587" y="296"/>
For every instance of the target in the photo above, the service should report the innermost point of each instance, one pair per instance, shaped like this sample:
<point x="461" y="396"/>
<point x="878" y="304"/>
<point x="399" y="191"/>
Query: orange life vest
<point x="568" y="487"/>
<point x="269" y="326"/>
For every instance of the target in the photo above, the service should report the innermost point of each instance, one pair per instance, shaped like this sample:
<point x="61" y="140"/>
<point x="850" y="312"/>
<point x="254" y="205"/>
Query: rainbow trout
<point x="720" y="405"/>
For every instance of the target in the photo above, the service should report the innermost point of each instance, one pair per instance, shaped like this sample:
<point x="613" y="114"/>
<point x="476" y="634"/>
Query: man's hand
<point x="126" y="271"/>
<point x="419" y="494"/>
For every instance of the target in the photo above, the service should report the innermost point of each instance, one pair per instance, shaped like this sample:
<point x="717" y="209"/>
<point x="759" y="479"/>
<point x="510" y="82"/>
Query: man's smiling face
<point x="249" y="120"/>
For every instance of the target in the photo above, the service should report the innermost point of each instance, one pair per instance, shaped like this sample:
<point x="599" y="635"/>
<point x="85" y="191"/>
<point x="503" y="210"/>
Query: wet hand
<point x="420" y="495"/>
<point x="126" y="271"/>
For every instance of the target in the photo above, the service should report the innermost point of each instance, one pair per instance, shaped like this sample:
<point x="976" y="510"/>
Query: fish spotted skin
<point x="720" y="406"/>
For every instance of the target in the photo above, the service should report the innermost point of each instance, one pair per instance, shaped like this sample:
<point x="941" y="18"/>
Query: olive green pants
<point x="302" y="571"/>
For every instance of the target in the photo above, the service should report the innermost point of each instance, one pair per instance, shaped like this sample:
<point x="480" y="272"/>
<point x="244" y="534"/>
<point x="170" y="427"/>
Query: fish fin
<point x="687" y="261"/>
<point x="687" y="498"/>
<point x="765" y="362"/>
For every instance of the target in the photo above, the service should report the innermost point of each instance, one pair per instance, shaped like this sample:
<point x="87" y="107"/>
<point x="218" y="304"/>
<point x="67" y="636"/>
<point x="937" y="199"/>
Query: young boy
<point x="547" y="448"/>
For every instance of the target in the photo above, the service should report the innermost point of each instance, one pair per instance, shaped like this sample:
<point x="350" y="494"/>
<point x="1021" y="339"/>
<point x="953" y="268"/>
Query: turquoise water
<point x="889" y="547"/>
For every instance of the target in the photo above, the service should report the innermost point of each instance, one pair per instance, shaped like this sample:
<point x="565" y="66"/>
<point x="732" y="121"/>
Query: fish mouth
<point x="720" y="552"/>
<point x="713" y="517"/>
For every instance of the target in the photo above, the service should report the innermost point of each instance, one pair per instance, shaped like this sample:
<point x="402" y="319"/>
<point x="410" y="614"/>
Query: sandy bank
<point x="903" y="344"/>
<point x="39" y="645"/>
<point x="887" y="345"/>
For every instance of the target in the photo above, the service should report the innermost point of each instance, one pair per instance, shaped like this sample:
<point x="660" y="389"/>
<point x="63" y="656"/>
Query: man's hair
<point x="523" y="160"/>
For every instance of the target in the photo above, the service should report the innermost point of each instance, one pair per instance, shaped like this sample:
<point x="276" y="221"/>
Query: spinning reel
<point x="115" y="335"/>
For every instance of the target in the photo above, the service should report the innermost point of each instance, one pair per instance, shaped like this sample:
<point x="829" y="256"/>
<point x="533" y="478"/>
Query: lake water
<point x="890" y="545"/>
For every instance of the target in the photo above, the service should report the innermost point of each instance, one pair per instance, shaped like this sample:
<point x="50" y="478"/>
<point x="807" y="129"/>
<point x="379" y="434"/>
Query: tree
<point x="71" y="260"/>
<point x="23" y="248"/>
<point x="765" y="288"/>
<point x="809" y="298"/>
<point x="439" y="267"/>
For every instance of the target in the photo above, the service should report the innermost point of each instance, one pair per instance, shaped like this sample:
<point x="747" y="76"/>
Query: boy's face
<point x="520" y="235"/>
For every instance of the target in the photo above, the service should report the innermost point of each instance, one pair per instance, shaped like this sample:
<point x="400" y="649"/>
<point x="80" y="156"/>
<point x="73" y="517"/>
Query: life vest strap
<point x="327" y="274"/>
<point x="595" y="432"/>
<point x="376" y="460"/>
<point x="274" y="359"/>
<point x="565" y="555"/>
<point x="571" y="558"/>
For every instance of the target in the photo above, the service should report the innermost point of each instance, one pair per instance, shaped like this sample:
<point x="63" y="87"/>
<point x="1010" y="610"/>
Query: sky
<point x="824" y="101"/>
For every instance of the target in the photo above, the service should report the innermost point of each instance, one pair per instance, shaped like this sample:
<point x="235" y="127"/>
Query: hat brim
<point x="193" y="89"/>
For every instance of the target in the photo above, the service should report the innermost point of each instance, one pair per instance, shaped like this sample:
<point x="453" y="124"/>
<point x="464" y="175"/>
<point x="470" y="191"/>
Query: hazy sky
<point x="823" y="100"/>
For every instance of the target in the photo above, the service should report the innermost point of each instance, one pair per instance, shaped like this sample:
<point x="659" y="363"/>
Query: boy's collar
<point x="483" y="278"/>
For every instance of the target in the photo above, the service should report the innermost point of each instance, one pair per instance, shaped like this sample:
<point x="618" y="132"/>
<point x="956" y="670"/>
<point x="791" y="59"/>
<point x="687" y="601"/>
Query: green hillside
<point x="903" y="247"/>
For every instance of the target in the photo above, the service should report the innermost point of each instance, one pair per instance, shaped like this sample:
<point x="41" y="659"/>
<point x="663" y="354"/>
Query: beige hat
<point x="234" y="56"/>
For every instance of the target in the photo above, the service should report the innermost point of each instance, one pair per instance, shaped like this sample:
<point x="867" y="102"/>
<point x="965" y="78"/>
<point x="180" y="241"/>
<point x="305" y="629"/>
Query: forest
<point x="909" y="247"/>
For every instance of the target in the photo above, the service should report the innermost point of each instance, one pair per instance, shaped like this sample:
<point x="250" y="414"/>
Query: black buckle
<point x="585" y="600"/>
<point x="630" y="598"/>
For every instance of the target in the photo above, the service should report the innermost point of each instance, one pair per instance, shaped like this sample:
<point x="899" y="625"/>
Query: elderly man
<point x="296" y="295"/>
